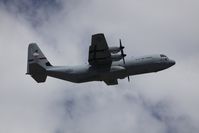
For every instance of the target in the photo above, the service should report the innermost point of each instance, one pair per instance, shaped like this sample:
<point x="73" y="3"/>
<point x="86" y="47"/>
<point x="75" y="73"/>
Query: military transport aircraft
<point x="106" y="64"/>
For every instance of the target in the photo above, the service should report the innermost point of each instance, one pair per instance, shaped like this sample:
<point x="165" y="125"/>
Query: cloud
<point x="35" y="11"/>
<point x="164" y="102"/>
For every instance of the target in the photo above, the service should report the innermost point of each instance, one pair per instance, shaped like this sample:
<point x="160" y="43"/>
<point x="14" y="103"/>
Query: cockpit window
<point x="163" y="55"/>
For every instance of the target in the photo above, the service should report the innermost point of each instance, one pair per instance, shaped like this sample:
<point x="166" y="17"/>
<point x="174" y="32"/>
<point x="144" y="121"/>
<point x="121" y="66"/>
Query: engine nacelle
<point x="114" y="50"/>
<point x="116" y="57"/>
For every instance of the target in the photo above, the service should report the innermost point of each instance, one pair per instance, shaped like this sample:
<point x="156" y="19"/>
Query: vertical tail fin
<point x="37" y="63"/>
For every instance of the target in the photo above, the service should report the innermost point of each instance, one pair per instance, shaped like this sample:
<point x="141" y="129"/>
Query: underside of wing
<point x="111" y="82"/>
<point x="99" y="54"/>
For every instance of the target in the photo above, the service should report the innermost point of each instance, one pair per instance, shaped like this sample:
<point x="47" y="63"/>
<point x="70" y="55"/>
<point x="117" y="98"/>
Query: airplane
<point x="105" y="63"/>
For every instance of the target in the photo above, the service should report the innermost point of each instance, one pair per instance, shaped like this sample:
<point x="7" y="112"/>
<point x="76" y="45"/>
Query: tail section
<point x="37" y="63"/>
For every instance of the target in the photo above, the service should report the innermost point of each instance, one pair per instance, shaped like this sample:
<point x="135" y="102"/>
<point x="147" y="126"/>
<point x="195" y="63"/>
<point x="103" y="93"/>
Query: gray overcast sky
<point x="164" y="102"/>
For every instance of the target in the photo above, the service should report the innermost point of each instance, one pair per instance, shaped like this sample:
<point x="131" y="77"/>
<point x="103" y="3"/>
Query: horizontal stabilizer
<point x="37" y="72"/>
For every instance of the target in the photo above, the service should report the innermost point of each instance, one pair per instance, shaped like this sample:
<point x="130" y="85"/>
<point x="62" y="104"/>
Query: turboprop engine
<point x="114" y="53"/>
<point x="117" y="57"/>
<point x="114" y="50"/>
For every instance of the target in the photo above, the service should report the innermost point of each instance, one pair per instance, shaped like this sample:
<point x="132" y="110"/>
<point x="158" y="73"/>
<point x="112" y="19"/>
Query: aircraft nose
<point x="172" y="62"/>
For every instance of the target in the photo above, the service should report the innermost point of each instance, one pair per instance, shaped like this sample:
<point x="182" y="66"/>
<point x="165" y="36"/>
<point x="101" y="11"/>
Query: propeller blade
<point x="122" y="52"/>
<point x="123" y="55"/>
<point x="121" y="47"/>
<point x="120" y="43"/>
<point x="128" y="78"/>
<point x="123" y="60"/>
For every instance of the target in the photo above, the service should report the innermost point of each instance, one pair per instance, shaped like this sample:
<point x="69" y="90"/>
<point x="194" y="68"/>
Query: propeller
<point x="128" y="79"/>
<point x="123" y="55"/>
<point x="122" y="51"/>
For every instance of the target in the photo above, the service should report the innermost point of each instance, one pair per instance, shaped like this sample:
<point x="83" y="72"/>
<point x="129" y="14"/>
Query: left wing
<point x="99" y="54"/>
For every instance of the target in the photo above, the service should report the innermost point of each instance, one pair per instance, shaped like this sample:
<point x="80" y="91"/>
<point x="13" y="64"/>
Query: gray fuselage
<point x="118" y="70"/>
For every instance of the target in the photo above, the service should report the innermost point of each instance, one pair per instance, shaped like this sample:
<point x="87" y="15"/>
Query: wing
<point x="99" y="54"/>
<point x="111" y="82"/>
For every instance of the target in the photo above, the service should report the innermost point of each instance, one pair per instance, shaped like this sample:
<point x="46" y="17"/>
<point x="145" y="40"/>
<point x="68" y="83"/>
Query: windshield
<point x="163" y="55"/>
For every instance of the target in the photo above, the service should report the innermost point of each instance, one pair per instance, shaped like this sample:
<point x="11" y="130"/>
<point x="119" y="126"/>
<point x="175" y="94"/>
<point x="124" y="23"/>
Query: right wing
<point x="99" y="54"/>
